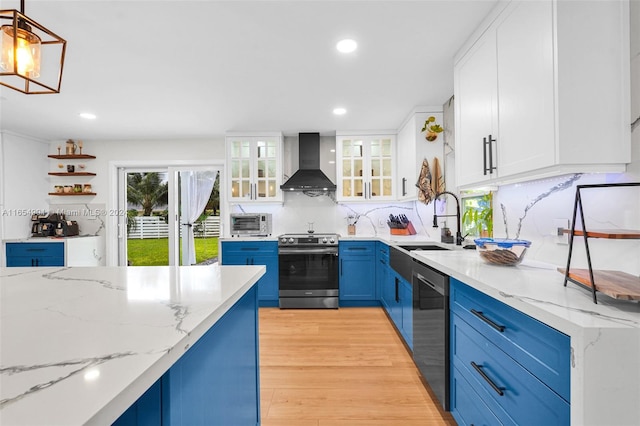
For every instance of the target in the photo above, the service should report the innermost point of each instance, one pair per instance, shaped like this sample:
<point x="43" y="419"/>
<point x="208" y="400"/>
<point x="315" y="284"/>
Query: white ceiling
<point x="196" y="69"/>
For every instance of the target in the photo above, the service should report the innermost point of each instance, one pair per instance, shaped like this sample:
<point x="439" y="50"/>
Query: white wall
<point x="24" y="183"/>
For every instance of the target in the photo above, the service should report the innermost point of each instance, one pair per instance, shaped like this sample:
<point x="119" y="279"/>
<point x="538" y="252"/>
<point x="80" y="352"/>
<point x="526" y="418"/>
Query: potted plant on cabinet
<point x="432" y="129"/>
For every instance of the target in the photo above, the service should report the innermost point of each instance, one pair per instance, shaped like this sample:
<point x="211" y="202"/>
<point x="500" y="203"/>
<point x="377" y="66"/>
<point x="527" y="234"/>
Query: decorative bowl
<point x="501" y="251"/>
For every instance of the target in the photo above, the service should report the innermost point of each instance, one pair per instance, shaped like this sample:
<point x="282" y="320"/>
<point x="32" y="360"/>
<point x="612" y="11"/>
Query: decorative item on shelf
<point x="38" y="59"/>
<point x="71" y="168"/>
<point x="71" y="147"/>
<point x="77" y="187"/>
<point x="59" y="147"/>
<point x="68" y="189"/>
<point x="58" y="188"/>
<point x="86" y="188"/>
<point x="80" y="146"/>
<point x="60" y="166"/>
<point x="81" y="167"/>
<point x="431" y="130"/>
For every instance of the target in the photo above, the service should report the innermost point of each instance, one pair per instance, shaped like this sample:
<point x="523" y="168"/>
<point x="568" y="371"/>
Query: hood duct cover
<point x="309" y="177"/>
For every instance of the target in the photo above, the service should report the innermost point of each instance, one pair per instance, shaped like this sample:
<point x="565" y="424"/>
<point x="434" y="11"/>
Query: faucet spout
<point x="459" y="237"/>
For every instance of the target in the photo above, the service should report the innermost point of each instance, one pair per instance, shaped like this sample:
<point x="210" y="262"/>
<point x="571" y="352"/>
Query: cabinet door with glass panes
<point x="365" y="168"/>
<point x="254" y="168"/>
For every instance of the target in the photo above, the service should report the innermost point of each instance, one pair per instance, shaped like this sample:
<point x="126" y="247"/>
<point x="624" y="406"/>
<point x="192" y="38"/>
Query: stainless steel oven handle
<point x="308" y="251"/>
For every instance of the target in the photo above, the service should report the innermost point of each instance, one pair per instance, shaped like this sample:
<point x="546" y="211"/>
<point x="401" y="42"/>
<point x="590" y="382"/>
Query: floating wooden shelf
<point x="616" y="284"/>
<point x="613" y="234"/>
<point x="65" y="194"/>
<point x="72" y="156"/>
<point x="71" y="174"/>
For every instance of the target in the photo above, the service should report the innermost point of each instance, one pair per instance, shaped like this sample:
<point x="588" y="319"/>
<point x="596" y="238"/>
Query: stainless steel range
<point x="308" y="270"/>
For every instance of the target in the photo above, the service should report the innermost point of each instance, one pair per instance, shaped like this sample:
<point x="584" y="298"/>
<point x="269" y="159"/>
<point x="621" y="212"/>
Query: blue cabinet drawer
<point x="466" y="405"/>
<point x="512" y="393"/>
<point x="350" y="248"/>
<point x="383" y="252"/>
<point x="35" y="249"/>
<point x="250" y="247"/>
<point x="542" y="350"/>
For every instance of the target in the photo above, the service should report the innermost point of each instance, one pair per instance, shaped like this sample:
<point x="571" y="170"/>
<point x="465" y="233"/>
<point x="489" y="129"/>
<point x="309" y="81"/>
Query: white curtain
<point x="195" y="190"/>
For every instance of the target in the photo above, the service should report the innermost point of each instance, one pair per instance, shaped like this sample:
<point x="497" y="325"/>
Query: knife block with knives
<point x="400" y="225"/>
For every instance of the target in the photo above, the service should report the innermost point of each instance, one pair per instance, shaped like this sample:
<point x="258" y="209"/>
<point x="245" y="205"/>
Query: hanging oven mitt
<point x="425" y="188"/>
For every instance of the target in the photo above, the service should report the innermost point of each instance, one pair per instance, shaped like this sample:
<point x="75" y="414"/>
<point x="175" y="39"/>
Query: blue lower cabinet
<point x="256" y="253"/>
<point x="35" y="254"/>
<point x="215" y="383"/>
<point x="406" y="306"/>
<point x="467" y="407"/>
<point x="357" y="273"/>
<point x="512" y="394"/>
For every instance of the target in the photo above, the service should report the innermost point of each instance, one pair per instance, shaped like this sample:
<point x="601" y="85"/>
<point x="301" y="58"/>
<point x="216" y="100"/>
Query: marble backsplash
<point x="528" y="211"/>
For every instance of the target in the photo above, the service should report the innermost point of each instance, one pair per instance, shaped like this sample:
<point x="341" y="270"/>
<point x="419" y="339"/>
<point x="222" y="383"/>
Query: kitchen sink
<point x="424" y="247"/>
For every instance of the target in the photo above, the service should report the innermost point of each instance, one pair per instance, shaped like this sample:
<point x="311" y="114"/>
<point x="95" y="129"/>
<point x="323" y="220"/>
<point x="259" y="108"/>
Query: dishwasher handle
<point x="428" y="283"/>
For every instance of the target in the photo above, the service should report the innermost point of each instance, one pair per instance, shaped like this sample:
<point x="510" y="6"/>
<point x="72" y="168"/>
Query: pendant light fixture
<point x="31" y="56"/>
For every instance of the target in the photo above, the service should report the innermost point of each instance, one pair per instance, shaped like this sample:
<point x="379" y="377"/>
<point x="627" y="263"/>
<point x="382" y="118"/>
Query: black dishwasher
<point x="431" y="328"/>
<point x="430" y="320"/>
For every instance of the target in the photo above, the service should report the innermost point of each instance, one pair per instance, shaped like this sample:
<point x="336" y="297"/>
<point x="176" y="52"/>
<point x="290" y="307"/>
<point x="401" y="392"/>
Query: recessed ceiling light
<point x="339" y="111"/>
<point x="88" y="115"/>
<point x="346" y="45"/>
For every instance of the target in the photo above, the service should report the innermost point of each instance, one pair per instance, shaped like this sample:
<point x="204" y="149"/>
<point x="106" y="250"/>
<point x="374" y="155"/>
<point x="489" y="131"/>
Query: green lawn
<point x="155" y="252"/>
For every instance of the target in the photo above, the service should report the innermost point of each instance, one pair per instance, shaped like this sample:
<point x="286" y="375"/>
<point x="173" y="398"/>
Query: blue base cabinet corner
<point x="507" y="367"/>
<point x="357" y="273"/>
<point x="256" y="253"/>
<point x="215" y="383"/>
<point x="35" y="254"/>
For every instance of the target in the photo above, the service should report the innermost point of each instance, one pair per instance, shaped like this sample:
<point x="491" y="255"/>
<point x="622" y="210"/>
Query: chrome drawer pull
<point x="479" y="314"/>
<point x="478" y="368"/>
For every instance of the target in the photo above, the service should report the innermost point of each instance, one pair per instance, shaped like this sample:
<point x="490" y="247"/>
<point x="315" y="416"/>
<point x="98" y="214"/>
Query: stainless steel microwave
<point x="251" y="224"/>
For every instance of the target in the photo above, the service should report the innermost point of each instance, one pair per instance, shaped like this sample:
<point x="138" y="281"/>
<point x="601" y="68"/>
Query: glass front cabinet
<point x="254" y="164"/>
<point x="365" y="167"/>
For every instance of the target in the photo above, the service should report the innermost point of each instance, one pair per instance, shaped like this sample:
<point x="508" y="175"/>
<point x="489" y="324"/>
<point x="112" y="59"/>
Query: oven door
<point x="302" y="271"/>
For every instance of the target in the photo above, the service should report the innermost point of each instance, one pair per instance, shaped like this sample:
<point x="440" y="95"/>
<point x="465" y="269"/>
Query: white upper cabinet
<point x="413" y="147"/>
<point x="254" y="167"/>
<point x="365" y="167"/>
<point x="542" y="91"/>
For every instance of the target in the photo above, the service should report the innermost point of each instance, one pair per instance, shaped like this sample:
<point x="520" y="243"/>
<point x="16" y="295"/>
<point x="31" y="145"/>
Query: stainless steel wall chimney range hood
<point x="309" y="177"/>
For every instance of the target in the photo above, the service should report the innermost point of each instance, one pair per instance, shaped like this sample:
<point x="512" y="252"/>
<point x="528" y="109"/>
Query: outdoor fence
<point x="156" y="227"/>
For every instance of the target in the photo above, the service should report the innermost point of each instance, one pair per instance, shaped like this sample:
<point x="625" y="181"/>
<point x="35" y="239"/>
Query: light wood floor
<point x="339" y="367"/>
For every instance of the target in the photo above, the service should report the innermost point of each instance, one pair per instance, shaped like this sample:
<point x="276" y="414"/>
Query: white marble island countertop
<point x="80" y="345"/>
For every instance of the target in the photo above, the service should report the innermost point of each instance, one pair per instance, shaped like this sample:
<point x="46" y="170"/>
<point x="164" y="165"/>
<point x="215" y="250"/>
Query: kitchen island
<point x="604" y="337"/>
<point x="82" y="345"/>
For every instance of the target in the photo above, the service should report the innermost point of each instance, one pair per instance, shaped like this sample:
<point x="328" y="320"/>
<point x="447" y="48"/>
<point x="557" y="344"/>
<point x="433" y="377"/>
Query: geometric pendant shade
<point x="31" y="56"/>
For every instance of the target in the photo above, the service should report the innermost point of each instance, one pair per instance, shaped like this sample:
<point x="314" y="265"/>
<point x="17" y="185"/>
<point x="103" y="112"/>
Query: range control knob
<point x="283" y="240"/>
<point x="331" y="240"/>
<point x="290" y="240"/>
<point x="324" y="240"/>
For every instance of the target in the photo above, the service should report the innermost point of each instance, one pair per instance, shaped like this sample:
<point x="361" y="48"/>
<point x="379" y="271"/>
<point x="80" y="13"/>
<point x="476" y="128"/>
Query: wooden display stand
<point x="616" y="284"/>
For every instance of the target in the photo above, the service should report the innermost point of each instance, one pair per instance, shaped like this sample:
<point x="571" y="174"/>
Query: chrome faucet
<point x="459" y="237"/>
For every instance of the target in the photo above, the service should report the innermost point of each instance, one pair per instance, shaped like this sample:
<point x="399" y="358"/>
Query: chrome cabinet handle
<point x="478" y="368"/>
<point x="480" y="315"/>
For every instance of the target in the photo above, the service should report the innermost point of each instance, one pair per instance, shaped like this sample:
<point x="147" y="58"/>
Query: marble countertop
<point x="537" y="289"/>
<point x="51" y="239"/>
<point x="80" y="345"/>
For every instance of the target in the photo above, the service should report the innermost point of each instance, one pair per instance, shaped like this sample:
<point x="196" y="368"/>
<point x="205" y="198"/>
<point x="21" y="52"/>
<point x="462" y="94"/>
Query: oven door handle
<point x="308" y="251"/>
